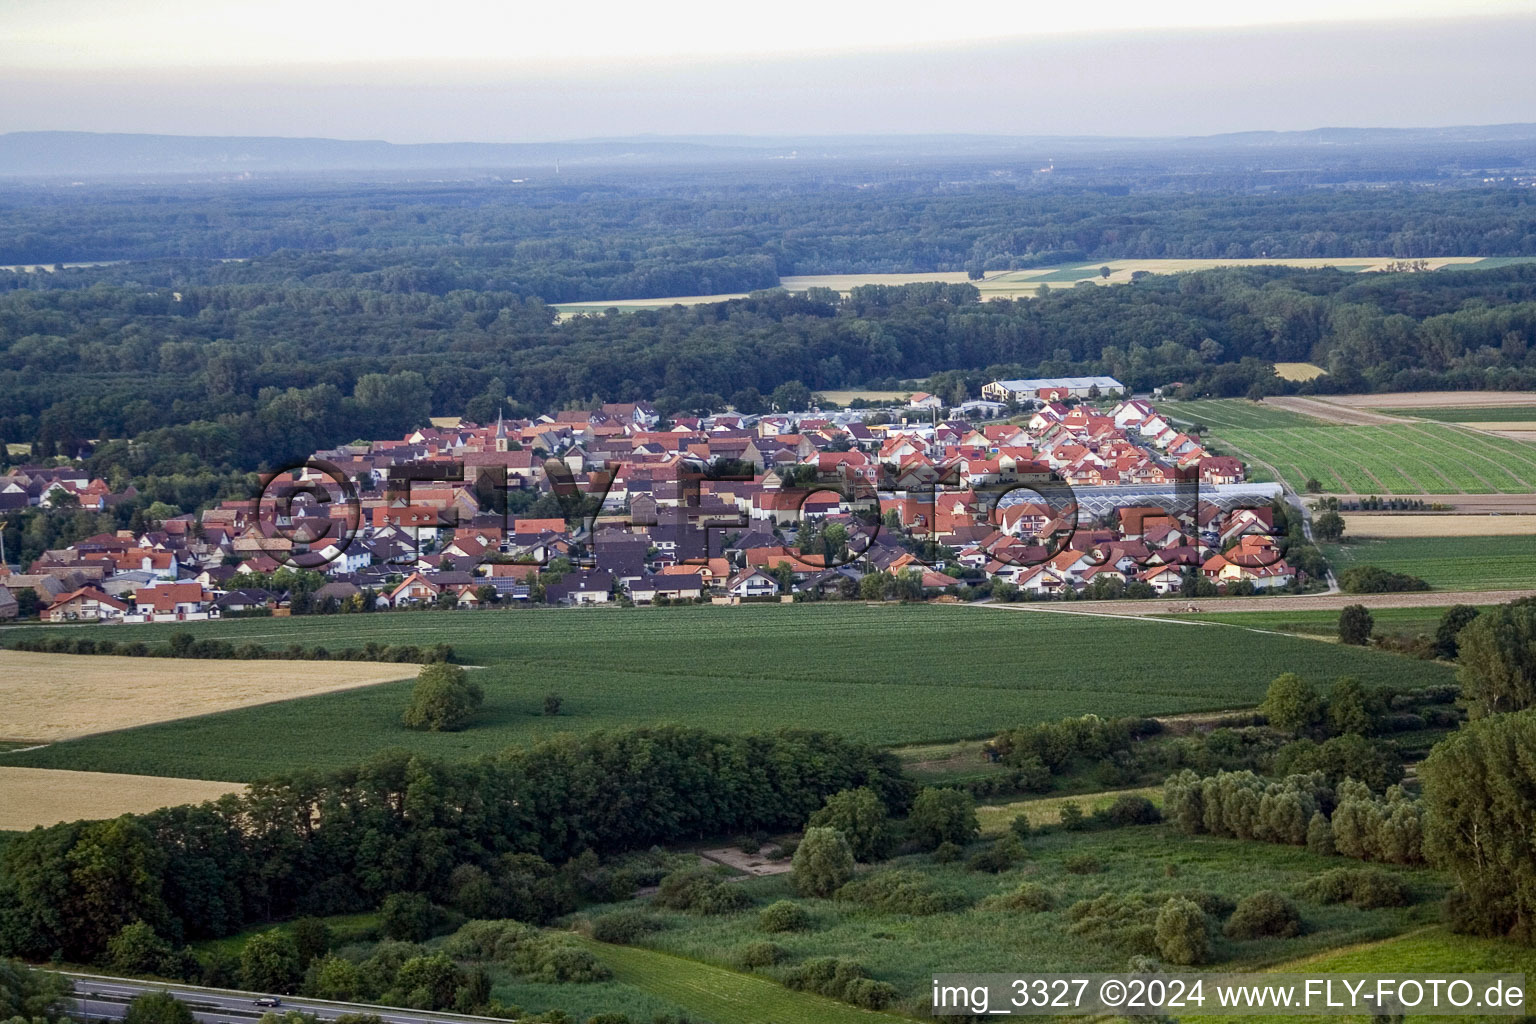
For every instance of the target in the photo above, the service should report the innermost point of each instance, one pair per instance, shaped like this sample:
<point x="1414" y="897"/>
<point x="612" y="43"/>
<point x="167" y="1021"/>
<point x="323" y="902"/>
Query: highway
<point x="100" y="997"/>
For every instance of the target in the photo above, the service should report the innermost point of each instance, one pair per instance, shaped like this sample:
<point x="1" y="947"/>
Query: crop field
<point x="1429" y="458"/>
<point x="907" y="950"/>
<point x="1471" y="413"/>
<point x="60" y="696"/>
<point x="1408" y="524"/>
<point x="43" y="796"/>
<point x="1446" y="563"/>
<point x="1223" y="414"/>
<point x="887" y="674"/>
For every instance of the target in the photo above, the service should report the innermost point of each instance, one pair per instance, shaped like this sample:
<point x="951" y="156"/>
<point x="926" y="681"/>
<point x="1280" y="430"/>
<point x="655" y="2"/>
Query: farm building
<point x="1049" y="389"/>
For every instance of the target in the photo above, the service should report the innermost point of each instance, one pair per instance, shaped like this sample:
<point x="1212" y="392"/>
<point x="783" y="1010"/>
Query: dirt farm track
<point x="1304" y="602"/>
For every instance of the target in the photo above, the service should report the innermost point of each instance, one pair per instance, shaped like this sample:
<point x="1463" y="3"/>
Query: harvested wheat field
<point x="47" y="796"/>
<point x="48" y="697"/>
<point x="1299" y="371"/>
<point x="1400" y="525"/>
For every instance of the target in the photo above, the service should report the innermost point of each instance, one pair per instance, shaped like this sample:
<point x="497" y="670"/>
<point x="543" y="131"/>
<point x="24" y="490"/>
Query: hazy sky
<point x="493" y="70"/>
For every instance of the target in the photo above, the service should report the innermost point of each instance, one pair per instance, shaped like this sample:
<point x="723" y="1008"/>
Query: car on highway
<point x="267" y="1001"/>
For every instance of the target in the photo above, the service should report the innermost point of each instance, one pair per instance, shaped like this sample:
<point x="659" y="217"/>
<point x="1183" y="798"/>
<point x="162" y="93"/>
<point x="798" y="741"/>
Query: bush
<point x="1369" y="579"/>
<point x="443" y="700"/>
<point x="624" y="927"/>
<point x="943" y="816"/>
<point x="784" y="916"/>
<point x="1000" y="855"/>
<point x="1082" y="864"/>
<point x="902" y="892"/>
<point x="1265" y="914"/>
<point x="700" y="891"/>
<point x="1182" y="935"/>
<point x="1366" y="888"/>
<point x="761" y="954"/>
<point x="1071" y="817"/>
<point x="947" y="853"/>
<point x="1019" y="826"/>
<point x="1029" y="898"/>
<point x="840" y="978"/>
<point x="1129" y="809"/>
<point x="823" y="861"/>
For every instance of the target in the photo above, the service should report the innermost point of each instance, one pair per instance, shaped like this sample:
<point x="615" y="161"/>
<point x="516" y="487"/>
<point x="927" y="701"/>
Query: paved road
<point x="100" y="997"/>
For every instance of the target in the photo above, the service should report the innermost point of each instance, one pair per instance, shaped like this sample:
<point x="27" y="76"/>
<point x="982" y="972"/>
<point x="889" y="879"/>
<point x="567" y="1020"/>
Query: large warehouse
<point x="1050" y="389"/>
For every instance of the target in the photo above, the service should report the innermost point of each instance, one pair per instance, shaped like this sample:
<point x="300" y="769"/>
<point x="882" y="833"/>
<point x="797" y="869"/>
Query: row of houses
<point x="700" y="507"/>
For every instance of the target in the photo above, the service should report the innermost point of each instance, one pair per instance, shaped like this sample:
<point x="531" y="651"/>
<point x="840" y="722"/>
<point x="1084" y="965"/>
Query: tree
<point x="552" y="704"/>
<point x="790" y="396"/>
<point x="749" y="402"/>
<point x="1349" y="708"/>
<point x="1291" y="704"/>
<point x="1313" y="485"/>
<point x="1181" y="932"/>
<point x="1497" y="651"/>
<point x="311" y="937"/>
<point x="861" y="817"/>
<point x="443" y="700"/>
<point x="1104" y="272"/>
<point x="31" y="995"/>
<point x="1329" y="526"/>
<point x="158" y="1008"/>
<point x="943" y="816"/>
<point x="822" y="863"/>
<point x="270" y="962"/>
<point x="1355" y="625"/>
<point x="1447" y="635"/>
<point x="1479" y="788"/>
<point x="406" y="915"/>
<point x="138" y="950"/>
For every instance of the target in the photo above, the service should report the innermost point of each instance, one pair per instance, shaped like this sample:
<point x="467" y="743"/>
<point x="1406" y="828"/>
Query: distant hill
<point x="93" y="154"/>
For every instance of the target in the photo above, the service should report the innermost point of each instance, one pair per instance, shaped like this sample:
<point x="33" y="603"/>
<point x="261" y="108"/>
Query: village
<point x="1044" y="488"/>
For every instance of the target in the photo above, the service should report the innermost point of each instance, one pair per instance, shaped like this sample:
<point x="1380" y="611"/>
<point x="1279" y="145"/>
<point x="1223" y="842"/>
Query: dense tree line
<point x="330" y="843"/>
<point x="597" y="241"/>
<point x="210" y="380"/>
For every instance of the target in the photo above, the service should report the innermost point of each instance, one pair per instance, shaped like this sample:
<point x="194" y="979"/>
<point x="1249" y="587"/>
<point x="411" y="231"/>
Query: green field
<point x="888" y="674"/>
<point x="1446" y="563"/>
<point x="725" y="996"/>
<point x="1222" y="414"/>
<point x="1471" y="414"/>
<point x="1429" y="458"/>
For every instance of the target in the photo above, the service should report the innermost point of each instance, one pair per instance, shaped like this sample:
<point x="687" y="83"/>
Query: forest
<point x="245" y="328"/>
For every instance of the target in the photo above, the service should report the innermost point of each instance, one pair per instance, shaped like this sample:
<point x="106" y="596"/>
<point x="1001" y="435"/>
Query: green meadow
<point x="886" y="674"/>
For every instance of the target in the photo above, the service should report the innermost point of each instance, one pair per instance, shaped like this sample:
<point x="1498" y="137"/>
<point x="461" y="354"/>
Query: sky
<point x="505" y="71"/>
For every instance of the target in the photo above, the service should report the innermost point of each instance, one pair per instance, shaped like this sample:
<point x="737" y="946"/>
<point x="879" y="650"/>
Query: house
<point x="586" y="587"/>
<point x="923" y="400"/>
<point x="752" y="583"/>
<point x="9" y="608"/>
<point x="85" y="605"/>
<point x="674" y="586"/>
<point x="414" y="589"/>
<point x="174" y="602"/>
<point x="1164" y="579"/>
